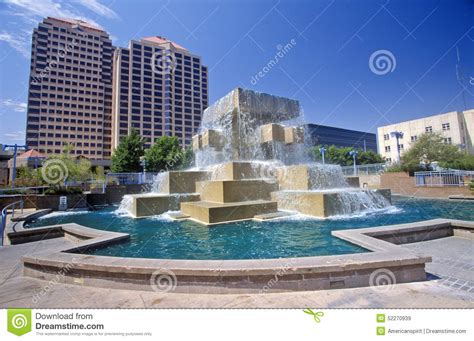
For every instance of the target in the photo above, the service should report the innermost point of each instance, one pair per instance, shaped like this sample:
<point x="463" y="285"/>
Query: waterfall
<point x="125" y="205"/>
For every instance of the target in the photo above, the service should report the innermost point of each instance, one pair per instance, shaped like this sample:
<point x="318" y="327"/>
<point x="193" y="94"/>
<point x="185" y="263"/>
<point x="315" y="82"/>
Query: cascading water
<point x="232" y="129"/>
<point x="125" y="205"/>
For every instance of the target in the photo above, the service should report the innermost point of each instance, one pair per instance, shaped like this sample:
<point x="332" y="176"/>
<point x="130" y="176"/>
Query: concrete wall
<point x="403" y="184"/>
<point x="369" y="181"/>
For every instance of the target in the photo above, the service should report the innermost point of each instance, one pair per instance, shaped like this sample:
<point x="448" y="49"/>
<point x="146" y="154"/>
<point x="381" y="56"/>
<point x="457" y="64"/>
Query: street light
<point x="354" y="153"/>
<point x="322" y="150"/>
<point x="15" y="151"/>
<point x="143" y="164"/>
<point x="398" y="135"/>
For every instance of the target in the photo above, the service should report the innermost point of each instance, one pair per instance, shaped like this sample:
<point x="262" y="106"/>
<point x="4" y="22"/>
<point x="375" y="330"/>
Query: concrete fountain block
<point x="353" y="181"/>
<point x="212" y="139"/>
<point x="295" y="177"/>
<point x="261" y="108"/>
<point x="224" y="191"/>
<point x="197" y="142"/>
<point x="318" y="203"/>
<point x="176" y="182"/>
<point x="145" y="205"/>
<point x="209" y="213"/>
<point x="239" y="170"/>
<point x="294" y="135"/>
<point x="272" y="132"/>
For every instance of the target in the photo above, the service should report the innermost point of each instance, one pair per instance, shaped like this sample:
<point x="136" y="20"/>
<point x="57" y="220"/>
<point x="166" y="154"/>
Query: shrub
<point x="63" y="190"/>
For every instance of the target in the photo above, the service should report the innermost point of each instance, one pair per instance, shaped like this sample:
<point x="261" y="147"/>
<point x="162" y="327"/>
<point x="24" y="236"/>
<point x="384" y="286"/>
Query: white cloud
<point x="98" y="8"/>
<point x="19" y="42"/>
<point x="14" y="105"/>
<point x="15" y="136"/>
<point x="33" y="11"/>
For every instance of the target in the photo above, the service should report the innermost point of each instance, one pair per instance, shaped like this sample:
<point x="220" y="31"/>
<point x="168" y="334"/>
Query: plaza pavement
<point x="450" y="286"/>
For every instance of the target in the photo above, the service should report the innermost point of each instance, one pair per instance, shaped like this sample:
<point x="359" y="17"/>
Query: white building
<point x="457" y="128"/>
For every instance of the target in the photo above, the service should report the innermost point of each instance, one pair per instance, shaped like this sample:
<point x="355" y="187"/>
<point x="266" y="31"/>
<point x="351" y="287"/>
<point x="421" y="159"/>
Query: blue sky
<point x="326" y="66"/>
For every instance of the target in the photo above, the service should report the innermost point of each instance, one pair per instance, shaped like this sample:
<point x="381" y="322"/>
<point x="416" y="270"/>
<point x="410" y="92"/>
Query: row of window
<point x="428" y="129"/>
<point x="447" y="140"/>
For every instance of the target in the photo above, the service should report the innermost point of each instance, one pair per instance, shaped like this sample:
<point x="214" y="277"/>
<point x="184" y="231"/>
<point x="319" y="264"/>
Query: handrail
<point x="4" y="216"/>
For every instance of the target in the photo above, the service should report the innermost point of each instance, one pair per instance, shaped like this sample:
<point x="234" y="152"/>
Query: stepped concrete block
<point x="385" y="192"/>
<point x="212" y="139"/>
<point x="224" y="191"/>
<point x="209" y="213"/>
<point x="197" y="142"/>
<point x="260" y="107"/>
<point x="183" y="181"/>
<point x="294" y="135"/>
<point x="294" y="177"/>
<point x="353" y="181"/>
<point x="239" y="171"/>
<point x="316" y="204"/>
<point x="145" y="205"/>
<point x="305" y="202"/>
<point x="272" y="132"/>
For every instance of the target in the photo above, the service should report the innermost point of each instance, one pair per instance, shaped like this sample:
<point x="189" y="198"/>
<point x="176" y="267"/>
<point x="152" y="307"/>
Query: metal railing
<point x="375" y="168"/>
<point x="23" y="190"/>
<point x="4" y="216"/>
<point x="445" y="178"/>
<point x="130" y="178"/>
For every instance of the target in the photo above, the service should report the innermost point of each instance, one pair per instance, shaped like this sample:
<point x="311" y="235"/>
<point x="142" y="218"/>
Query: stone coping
<point x="373" y="238"/>
<point x="227" y="276"/>
<point x="231" y="276"/>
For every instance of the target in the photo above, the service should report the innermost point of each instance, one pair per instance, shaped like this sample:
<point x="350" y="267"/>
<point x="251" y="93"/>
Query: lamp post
<point x="15" y="152"/>
<point x="322" y="150"/>
<point x="143" y="164"/>
<point x="354" y="153"/>
<point x="398" y="135"/>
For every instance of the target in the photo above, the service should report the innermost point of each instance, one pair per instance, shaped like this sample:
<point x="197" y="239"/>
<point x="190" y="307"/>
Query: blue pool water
<point x="293" y="237"/>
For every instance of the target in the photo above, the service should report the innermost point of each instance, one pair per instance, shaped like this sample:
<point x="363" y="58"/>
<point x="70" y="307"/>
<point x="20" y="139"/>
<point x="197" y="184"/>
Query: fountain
<point x="252" y="163"/>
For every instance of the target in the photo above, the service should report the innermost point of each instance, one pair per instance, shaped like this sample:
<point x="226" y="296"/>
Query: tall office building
<point x="159" y="88"/>
<point x="70" y="89"/>
<point x="456" y="127"/>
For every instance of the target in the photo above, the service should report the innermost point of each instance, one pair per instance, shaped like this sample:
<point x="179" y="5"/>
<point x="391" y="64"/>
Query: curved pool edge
<point x="238" y="276"/>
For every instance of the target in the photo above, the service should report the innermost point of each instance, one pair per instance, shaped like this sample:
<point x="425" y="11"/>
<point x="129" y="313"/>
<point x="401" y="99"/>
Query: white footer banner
<point x="222" y="324"/>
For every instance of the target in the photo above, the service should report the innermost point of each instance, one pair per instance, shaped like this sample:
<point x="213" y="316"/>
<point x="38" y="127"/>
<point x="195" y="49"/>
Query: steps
<point x="223" y="191"/>
<point x="209" y="213"/>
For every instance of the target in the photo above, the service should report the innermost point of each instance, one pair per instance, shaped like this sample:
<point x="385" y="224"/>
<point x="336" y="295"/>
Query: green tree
<point x="126" y="158"/>
<point x="340" y="156"/>
<point x="57" y="169"/>
<point x="427" y="149"/>
<point x="165" y="154"/>
<point x="465" y="162"/>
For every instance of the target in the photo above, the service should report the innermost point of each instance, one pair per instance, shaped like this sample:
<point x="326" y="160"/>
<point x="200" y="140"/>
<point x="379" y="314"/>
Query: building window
<point x="446" y="126"/>
<point x="386" y="137"/>
<point x="400" y="146"/>
<point x="429" y="129"/>
<point x="387" y="148"/>
<point x="448" y="140"/>
<point x="414" y="138"/>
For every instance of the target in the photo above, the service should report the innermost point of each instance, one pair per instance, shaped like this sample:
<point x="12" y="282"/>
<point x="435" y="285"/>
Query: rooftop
<point x="161" y="40"/>
<point x="78" y="22"/>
